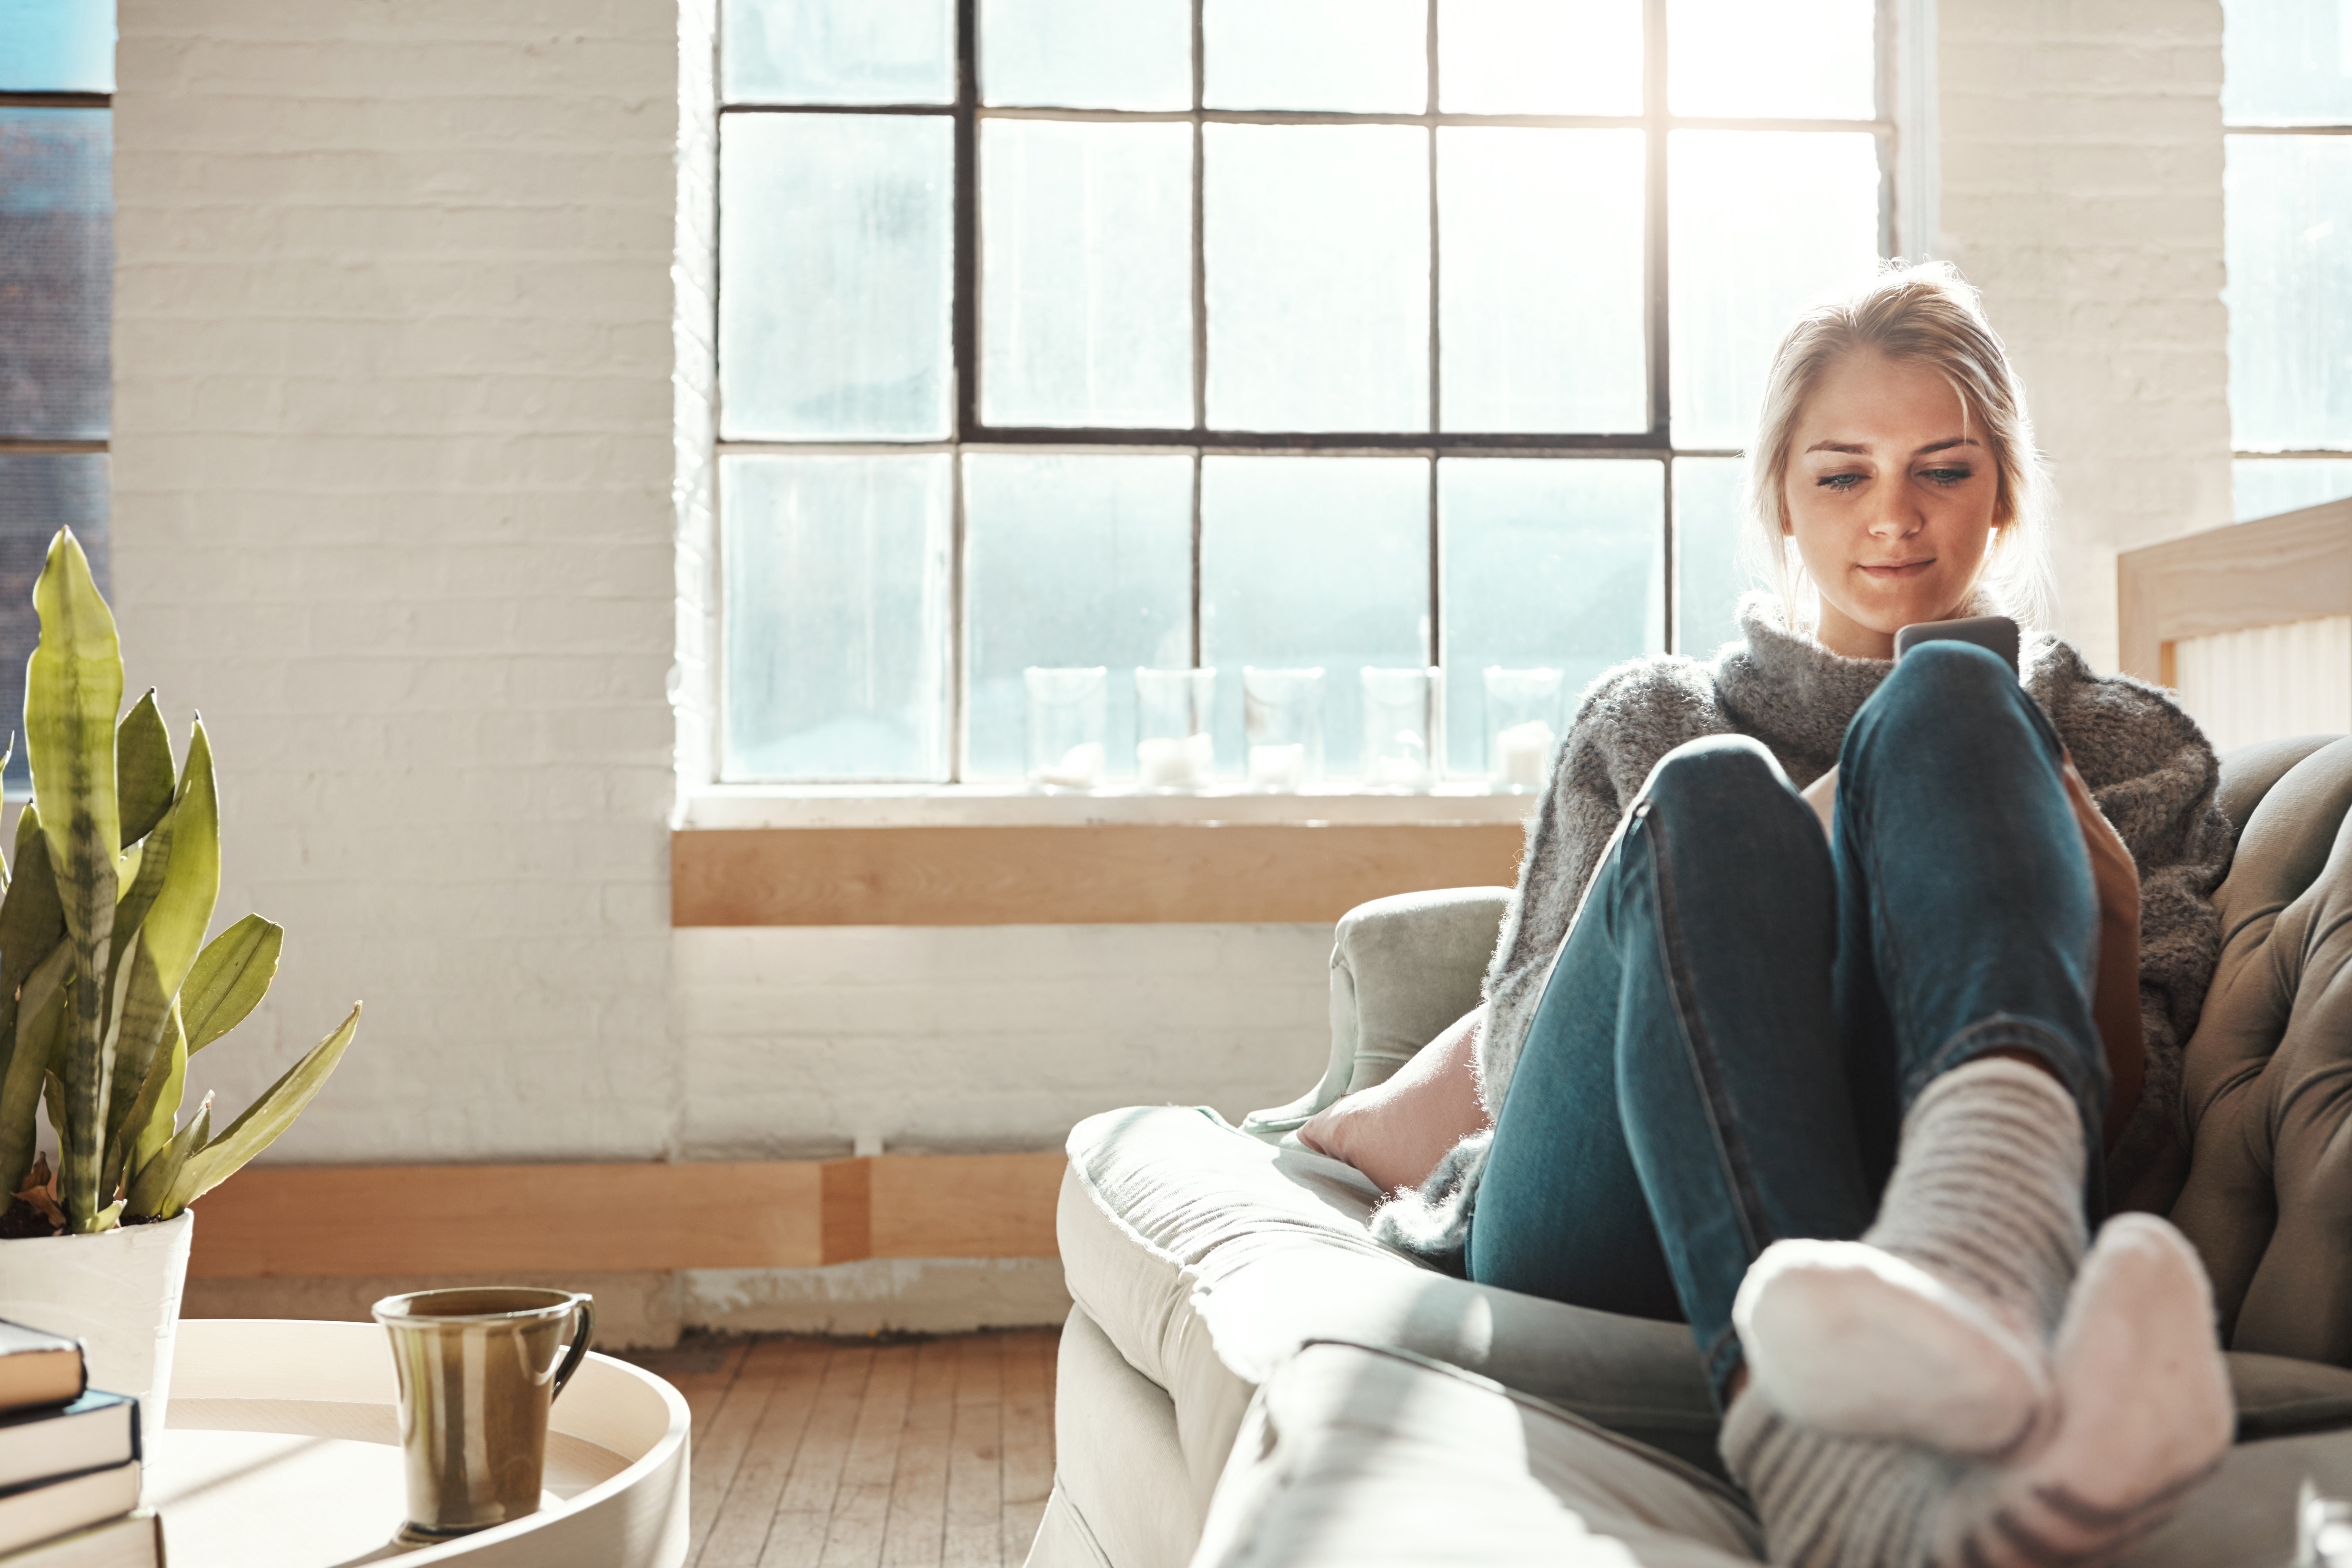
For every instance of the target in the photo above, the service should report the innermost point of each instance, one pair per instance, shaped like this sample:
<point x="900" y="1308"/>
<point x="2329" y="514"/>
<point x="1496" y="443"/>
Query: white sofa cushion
<point x="1208" y="1257"/>
<point x="1353" y="1458"/>
<point x="1360" y="1457"/>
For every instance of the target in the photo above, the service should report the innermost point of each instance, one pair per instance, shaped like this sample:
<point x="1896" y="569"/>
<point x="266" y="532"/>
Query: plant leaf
<point x="142" y="1013"/>
<point x="73" y="690"/>
<point x="157" y="955"/>
<point x="174" y="925"/>
<point x="263" y="1120"/>
<point x="230" y="978"/>
<point x="39" y="1018"/>
<point x="149" y="1193"/>
<point x="156" y="1112"/>
<point x="30" y="922"/>
<point x="143" y="769"/>
<point x="149" y="861"/>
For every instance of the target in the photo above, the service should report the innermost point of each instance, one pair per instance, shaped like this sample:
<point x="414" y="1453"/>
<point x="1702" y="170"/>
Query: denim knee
<point x="1944" y="694"/>
<point x="1715" y="770"/>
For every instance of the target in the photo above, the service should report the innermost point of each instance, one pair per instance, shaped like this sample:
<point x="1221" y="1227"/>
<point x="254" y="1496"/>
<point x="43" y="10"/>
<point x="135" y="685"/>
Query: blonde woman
<point x="1851" y="1104"/>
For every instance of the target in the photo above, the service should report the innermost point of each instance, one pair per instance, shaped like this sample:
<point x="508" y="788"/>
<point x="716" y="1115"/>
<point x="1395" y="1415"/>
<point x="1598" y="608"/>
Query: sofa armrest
<point x="1403" y="968"/>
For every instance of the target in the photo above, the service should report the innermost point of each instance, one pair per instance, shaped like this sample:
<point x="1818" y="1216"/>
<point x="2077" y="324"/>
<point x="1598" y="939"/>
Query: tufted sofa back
<point x="2267" y="1077"/>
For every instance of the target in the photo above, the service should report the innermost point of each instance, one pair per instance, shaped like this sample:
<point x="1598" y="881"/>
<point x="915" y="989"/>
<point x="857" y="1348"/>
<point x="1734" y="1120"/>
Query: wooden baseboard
<point x="347" y="1221"/>
<point x="1121" y="873"/>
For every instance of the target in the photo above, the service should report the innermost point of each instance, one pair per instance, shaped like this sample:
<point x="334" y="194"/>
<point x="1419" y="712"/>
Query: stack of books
<point x="68" y="1463"/>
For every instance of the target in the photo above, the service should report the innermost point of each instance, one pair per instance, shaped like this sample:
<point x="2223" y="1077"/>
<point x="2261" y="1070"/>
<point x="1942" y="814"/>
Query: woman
<point x="1721" y="1047"/>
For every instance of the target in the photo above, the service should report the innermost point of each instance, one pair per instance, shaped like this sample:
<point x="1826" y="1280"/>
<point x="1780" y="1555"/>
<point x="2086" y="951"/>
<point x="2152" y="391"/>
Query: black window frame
<point x="969" y="433"/>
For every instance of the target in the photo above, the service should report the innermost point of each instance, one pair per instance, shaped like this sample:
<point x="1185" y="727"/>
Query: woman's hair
<point x="1923" y="314"/>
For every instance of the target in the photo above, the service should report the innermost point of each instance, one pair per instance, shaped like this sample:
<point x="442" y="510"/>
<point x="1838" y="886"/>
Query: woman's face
<point x="1890" y="496"/>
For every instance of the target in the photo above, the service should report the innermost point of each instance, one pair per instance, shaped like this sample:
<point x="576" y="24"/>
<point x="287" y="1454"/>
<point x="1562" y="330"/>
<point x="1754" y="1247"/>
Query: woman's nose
<point x="1893" y="517"/>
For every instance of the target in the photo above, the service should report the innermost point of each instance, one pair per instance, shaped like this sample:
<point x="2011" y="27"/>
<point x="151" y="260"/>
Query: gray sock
<point x="1986" y="1193"/>
<point x="1838" y="1502"/>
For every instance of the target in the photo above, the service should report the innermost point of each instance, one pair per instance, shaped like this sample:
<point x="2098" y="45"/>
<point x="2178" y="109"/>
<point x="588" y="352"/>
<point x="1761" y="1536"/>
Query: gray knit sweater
<point x="2148" y="765"/>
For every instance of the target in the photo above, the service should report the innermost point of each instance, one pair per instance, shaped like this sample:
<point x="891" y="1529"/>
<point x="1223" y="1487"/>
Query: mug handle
<point x="583" y="1328"/>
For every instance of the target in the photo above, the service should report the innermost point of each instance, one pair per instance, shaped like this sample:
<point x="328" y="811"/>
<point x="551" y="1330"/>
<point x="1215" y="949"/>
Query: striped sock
<point x="1840" y="1503"/>
<point x="1986" y="1193"/>
<point x="2144" y="1415"/>
<point x="1935" y="1328"/>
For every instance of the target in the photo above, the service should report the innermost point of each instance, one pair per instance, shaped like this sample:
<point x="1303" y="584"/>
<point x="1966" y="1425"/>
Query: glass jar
<point x="1522" y="724"/>
<point x="1282" y="722"/>
<point x="1174" y="750"/>
<point x="1068" y="717"/>
<point x="1399" y="720"/>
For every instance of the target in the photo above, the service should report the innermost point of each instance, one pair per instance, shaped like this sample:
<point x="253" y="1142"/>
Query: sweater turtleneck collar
<point x="1789" y="691"/>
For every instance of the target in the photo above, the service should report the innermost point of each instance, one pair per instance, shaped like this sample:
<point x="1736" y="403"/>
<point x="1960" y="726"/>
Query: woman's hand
<point x="2115" y="1004"/>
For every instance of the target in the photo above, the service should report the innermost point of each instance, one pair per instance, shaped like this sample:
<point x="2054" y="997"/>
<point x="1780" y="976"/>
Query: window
<point x="1347" y="333"/>
<point x="2286" y="100"/>
<point x="57" y="282"/>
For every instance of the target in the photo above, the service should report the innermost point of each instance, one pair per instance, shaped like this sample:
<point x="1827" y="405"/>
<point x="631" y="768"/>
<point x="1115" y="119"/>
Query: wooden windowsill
<point x="737" y="806"/>
<point x="1086" y="873"/>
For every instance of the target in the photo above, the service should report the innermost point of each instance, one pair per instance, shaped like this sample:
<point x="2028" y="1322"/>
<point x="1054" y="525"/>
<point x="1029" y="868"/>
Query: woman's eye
<point x="1838" y="481"/>
<point x="1947" y="476"/>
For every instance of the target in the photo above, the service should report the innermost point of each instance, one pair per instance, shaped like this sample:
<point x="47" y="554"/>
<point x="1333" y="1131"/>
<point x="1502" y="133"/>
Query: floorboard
<point x="821" y="1454"/>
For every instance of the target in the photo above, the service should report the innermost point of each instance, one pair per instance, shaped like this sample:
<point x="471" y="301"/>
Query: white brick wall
<point x="393" y="466"/>
<point x="2082" y="192"/>
<point x="800" y="1041"/>
<point x="398" y="505"/>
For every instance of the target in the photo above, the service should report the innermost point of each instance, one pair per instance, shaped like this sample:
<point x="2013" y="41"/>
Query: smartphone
<point x="1996" y="633"/>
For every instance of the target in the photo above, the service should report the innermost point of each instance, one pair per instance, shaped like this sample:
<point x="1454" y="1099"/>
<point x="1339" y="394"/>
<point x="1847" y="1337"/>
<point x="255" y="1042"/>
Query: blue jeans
<point x="1744" y="1011"/>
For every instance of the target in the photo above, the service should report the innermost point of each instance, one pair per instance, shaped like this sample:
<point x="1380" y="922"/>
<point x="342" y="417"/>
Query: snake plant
<point x="107" y="986"/>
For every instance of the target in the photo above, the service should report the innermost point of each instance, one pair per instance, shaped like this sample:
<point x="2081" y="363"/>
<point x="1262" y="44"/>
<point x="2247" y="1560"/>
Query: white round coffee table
<point x="282" y="1451"/>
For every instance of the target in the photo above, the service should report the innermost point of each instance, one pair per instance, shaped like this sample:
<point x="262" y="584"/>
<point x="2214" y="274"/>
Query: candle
<point x="1524" y="752"/>
<point x="1278" y="766"/>
<point x="1169" y="762"/>
<point x="1081" y="767"/>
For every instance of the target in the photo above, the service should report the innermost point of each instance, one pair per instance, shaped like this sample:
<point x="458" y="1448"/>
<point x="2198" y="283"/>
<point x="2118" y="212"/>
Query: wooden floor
<point x="811" y="1453"/>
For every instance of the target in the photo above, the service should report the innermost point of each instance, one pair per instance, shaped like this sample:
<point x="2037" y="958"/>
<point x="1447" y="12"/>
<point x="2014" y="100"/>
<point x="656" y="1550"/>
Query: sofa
<point x="1248" y="1377"/>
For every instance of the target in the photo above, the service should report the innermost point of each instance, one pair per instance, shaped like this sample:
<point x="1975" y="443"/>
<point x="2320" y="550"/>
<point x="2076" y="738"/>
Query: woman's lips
<point x="1896" y="570"/>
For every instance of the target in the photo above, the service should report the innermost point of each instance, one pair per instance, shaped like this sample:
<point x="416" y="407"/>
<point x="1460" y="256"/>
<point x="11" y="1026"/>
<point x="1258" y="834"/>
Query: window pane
<point x="836" y="616"/>
<point x="834" y="262"/>
<point x="2268" y="486"/>
<point x="56" y="46"/>
<point x="40" y="493"/>
<point x="57" y="271"/>
<point x="2286" y="61"/>
<point x="1557" y="564"/>
<point x="1541" y="287"/>
<point x="1539" y="57"/>
<point x="1087" y="273"/>
<point x="1365" y="56"/>
<point x="1814" y="60"/>
<point x="1313" y="561"/>
<point x="838" y="51"/>
<point x="1707" y="531"/>
<point x="1317" y="239"/>
<point x="1762" y="221"/>
<point x="2289" y="203"/>
<point x="1071" y="561"/>
<point x="1084" y="54"/>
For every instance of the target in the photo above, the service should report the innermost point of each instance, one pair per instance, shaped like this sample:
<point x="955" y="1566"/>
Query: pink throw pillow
<point x="1395" y="1133"/>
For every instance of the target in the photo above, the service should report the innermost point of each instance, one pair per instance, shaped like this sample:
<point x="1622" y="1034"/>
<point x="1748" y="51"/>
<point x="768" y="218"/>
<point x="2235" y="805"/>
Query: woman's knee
<point x="1725" y="773"/>
<point x="1949" y="693"/>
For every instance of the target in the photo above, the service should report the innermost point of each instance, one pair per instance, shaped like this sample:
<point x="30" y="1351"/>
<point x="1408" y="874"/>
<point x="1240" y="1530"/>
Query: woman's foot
<point x="1847" y="1338"/>
<point x="2142" y="1413"/>
<point x="1931" y="1329"/>
<point x="2145" y="1410"/>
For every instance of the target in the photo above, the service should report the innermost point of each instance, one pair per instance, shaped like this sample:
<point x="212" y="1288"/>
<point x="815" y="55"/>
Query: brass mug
<point x="477" y="1373"/>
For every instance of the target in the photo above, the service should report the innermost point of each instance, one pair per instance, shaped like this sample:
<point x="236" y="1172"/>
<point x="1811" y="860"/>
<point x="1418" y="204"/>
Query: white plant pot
<point x="116" y="1291"/>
